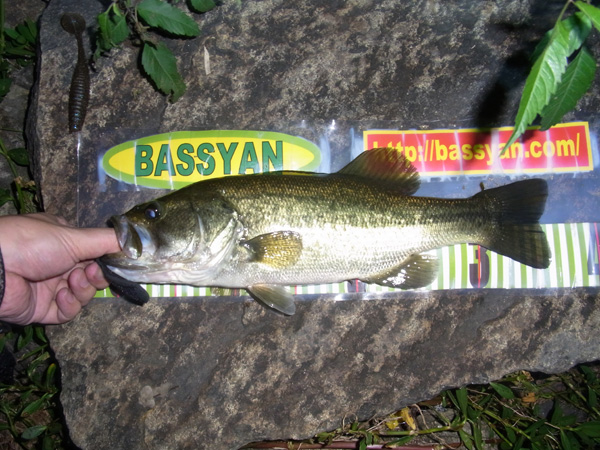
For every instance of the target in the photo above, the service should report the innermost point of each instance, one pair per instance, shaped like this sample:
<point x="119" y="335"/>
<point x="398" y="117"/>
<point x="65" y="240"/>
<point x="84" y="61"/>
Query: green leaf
<point x="19" y="156"/>
<point x="33" y="432"/>
<point x="5" y="84"/>
<point x="592" y="399"/>
<point x="578" y="27"/>
<point x="503" y="391"/>
<point x="401" y="441"/>
<point x="113" y="29"/>
<point x="160" y="65"/>
<point x="591" y="12"/>
<point x="33" y="406"/>
<point x="27" y="31"/>
<point x="50" y="373"/>
<point x="25" y="337"/>
<point x="466" y="439"/>
<point x="511" y="435"/>
<point x="559" y="419"/>
<point x="461" y="396"/>
<point x="574" y="84"/>
<point x="564" y="440"/>
<point x="519" y="443"/>
<point x="542" y="81"/>
<point x="159" y="14"/>
<point x="506" y="412"/>
<point x="591" y="429"/>
<point x="40" y="334"/>
<point x="477" y="436"/>
<point x="590" y="375"/>
<point x="5" y="196"/>
<point x="48" y="443"/>
<point x="202" y="6"/>
<point x="473" y="414"/>
<point x="535" y="426"/>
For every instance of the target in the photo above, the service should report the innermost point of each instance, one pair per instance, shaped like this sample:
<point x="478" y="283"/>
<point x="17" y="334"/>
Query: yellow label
<point x="174" y="160"/>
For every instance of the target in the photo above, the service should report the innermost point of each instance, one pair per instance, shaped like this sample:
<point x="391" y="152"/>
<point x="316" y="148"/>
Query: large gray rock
<point x="182" y="374"/>
<point x="193" y="373"/>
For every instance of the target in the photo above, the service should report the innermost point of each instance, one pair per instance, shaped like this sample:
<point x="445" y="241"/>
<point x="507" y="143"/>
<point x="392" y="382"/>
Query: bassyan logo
<point x="174" y="160"/>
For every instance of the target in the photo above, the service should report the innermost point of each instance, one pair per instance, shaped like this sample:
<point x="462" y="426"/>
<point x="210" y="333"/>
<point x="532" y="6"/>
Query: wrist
<point x="2" y="278"/>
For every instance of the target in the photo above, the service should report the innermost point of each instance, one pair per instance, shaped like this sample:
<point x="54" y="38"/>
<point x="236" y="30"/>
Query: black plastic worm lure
<point x="79" y="94"/>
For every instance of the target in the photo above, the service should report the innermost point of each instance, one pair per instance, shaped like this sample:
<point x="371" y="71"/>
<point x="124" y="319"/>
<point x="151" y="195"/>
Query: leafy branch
<point x="562" y="72"/>
<point x="144" y="23"/>
<point x="17" y="49"/>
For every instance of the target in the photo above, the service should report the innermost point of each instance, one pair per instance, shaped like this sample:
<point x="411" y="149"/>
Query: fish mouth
<point x="134" y="240"/>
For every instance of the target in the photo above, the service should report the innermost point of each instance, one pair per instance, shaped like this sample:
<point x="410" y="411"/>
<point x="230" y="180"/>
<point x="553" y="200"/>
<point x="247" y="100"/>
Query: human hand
<point x="49" y="267"/>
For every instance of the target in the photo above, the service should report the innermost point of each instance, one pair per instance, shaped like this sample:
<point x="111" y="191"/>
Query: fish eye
<point x="152" y="211"/>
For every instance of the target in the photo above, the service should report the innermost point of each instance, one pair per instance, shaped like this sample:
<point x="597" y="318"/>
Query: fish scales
<point x="350" y="228"/>
<point x="266" y="231"/>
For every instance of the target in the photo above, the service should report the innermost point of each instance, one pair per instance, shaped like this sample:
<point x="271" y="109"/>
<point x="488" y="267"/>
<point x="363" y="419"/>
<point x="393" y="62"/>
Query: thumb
<point x="91" y="243"/>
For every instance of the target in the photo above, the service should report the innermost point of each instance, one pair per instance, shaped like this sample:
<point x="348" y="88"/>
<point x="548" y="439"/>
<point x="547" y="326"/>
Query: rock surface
<point x="184" y="373"/>
<point x="181" y="374"/>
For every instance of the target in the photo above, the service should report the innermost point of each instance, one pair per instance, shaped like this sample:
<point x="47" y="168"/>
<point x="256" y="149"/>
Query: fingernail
<point x="83" y="281"/>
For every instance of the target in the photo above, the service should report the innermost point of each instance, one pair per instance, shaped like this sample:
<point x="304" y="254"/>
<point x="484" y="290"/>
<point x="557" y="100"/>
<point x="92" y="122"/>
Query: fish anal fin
<point x="387" y="166"/>
<point x="275" y="297"/>
<point x="279" y="249"/>
<point x="414" y="272"/>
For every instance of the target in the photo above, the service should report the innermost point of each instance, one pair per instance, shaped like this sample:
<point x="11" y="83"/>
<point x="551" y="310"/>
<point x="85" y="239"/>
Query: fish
<point x="263" y="232"/>
<point x="79" y="92"/>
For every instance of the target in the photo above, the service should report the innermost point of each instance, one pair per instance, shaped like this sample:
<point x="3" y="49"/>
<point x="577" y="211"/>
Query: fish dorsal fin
<point x="275" y="297"/>
<point x="388" y="166"/>
<point x="414" y="272"/>
<point x="279" y="249"/>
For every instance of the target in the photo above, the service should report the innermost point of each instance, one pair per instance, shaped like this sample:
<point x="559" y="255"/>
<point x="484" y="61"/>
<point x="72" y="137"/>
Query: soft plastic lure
<point x="79" y="93"/>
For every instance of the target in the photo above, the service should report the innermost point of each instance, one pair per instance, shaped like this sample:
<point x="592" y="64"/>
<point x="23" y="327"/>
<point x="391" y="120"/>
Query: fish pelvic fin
<point x="279" y="249"/>
<point x="275" y="297"/>
<point x="385" y="165"/>
<point x="414" y="272"/>
<point x="517" y="209"/>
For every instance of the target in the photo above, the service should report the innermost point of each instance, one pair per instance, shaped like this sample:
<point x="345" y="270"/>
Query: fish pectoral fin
<point x="275" y="297"/>
<point x="279" y="249"/>
<point x="416" y="271"/>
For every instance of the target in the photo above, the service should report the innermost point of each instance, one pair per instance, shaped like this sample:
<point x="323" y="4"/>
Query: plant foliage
<point x="562" y="71"/>
<point x="17" y="49"/>
<point x="519" y="411"/>
<point x="29" y="409"/>
<point x="148" y="22"/>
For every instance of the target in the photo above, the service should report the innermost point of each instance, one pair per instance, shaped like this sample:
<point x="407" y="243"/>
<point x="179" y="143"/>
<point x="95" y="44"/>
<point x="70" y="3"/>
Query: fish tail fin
<point x="517" y="211"/>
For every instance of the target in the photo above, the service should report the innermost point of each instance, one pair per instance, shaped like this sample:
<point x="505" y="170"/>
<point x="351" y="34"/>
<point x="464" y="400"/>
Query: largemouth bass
<point x="263" y="232"/>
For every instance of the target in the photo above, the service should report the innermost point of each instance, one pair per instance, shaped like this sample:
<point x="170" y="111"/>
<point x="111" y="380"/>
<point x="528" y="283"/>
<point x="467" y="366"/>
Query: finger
<point x="48" y="218"/>
<point x="68" y="306"/>
<point x="95" y="276"/>
<point x="92" y="243"/>
<point x="80" y="286"/>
